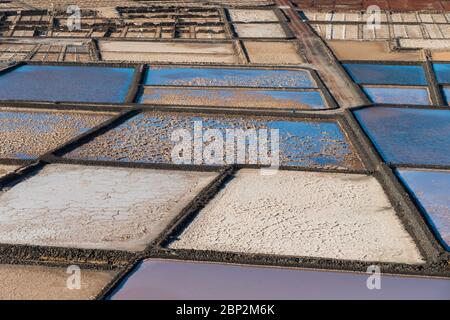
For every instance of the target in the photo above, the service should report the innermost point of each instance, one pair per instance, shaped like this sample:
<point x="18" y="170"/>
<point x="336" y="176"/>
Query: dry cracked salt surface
<point x="254" y="30"/>
<point x="326" y="215"/>
<point x="27" y="134"/>
<point x="247" y="15"/>
<point x="19" y="282"/>
<point x="96" y="207"/>
<point x="194" y="52"/>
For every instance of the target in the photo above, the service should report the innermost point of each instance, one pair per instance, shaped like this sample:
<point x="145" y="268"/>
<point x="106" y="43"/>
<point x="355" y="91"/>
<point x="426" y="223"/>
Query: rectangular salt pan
<point x="391" y="95"/>
<point x="66" y="83"/>
<point x="30" y="134"/>
<point x="271" y="99"/>
<point x="148" y="138"/>
<point x="442" y="71"/>
<point x="387" y="74"/>
<point x="431" y="190"/>
<point x="181" y="280"/>
<point x="446" y="92"/>
<point x="28" y="282"/>
<point x="245" y="15"/>
<point x="96" y="207"/>
<point x="302" y="214"/>
<point x="208" y="77"/>
<point x="407" y="135"/>
<point x="259" y="30"/>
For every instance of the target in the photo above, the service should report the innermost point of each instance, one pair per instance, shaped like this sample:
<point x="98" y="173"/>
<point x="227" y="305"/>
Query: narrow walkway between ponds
<point x="318" y="54"/>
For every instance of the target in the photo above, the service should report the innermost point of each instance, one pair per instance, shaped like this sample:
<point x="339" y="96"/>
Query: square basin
<point x="155" y="279"/>
<point x="304" y="214"/>
<point x="367" y="73"/>
<point x="29" y="133"/>
<point x="229" y="77"/>
<point x="66" y="83"/>
<point x="408" y="135"/>
<point x="26" y="282"/>
<point x="151" y="137"/>
<point x="442" y="71"/>
<point x="398" y="95"/>
<point x="269" y="99"/>
<point x="430" y="189"/>
<point x="90" y="207"/>
<point x="260" y="30"/>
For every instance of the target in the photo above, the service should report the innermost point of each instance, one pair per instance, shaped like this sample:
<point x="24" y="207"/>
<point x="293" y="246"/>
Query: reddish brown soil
<point x="394" y="5"/>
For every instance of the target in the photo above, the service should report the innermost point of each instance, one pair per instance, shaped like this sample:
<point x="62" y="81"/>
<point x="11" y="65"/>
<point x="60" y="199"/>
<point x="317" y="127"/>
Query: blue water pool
<point x="148" y="138"/>
<point x="389" y="95"/>
<point x="431" y="190"/>
<point x="407" y="135"/>
<point x="387" y="74"/>
<point x="205" y="77"/>
<point x="442" y="71"/>
<point x="171" y="279"/>
<point x="66" y="83"/>
<point x="446" y="92"/>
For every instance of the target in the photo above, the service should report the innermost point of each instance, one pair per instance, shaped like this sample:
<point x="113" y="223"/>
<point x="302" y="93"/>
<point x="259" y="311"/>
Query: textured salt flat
<point x="245" y="15"/>
<point x="326" y="215"/>
<point x="266" y="30"/>
<point x="147" y="138"/>
<point x="230" y="77"/>
<point x="29" y="133"/>
<point x="424" y="43"/>
<point x="269" y="52"/>
<point x="270" y="99"/>
<point x="167" y="51"/>
<point x="95" y="207"/>
<point x="440" y="55"/>
<point x="374" y="50"/>
<point x="5" y="169"/>
<point x="46" y="283"/>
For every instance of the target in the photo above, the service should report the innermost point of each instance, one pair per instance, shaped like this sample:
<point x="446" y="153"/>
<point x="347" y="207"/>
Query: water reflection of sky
<point x="386" y="74"/>
<point x="66" y="83"/>
<point x="408" y="136"/>
<point x="446" y="91"/>
<point x="388" y="95"/>
<point x="432" y="191"/>
<point x="229" y="77"/>
<point x="147" y="139"/>
<point x="442" y="71"/>
<point x="159" y="279"/>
